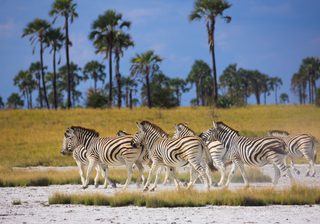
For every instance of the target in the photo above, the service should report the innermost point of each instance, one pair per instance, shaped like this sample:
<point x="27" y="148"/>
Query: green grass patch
<point x="296" y="195"/>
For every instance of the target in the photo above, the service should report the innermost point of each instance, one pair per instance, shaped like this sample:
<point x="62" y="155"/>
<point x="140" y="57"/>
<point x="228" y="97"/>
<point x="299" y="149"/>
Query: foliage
<point x="296" y="195"/>
<point x="95" y="70"/>
<point x="318" y="98"/>
<point x="1" y="103"/>
<point x="26" y="84"/>
<point x="284" y="98"/>
<point x="201" y="78"/>
<point x="162" y="94"/>
<point x="14" y="101"/>
<point x="96" y="99"/>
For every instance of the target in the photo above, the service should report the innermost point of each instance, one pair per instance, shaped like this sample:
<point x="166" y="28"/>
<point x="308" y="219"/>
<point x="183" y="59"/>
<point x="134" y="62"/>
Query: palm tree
<point x="26" y="84"/>
<point x="209" y="10"/>
<point x="54" y="39"/>
<point x="103" y="34"/>
<point x="123" y="41"/>
<point x="275" y="83"/>
<point x="299" y="85"/>
<point x="95" y="70"/>
<point x="145" y="64"/>
<point x="35" y="70"/>
<point x="199" y="71"/>
<point x="36" y="30"/>
<point x="67" y="10"/>
<point x="1" y="103"/>
<point x="311" y="67"/>
<point x="130" y="86"/>
<point x="179" y="86"/>
<point x="14" y="101"/>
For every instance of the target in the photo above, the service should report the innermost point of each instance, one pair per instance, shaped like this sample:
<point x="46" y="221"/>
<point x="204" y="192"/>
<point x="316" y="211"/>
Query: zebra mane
<point x="278" y="133"/>
<point x="222" y="125"/>
<point x="186" y="127"/>
<point x="82" y="129"/>
<point x="154" y="127"/>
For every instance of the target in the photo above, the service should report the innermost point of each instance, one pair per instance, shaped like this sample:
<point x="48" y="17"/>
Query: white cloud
<point x="7" y="28"/>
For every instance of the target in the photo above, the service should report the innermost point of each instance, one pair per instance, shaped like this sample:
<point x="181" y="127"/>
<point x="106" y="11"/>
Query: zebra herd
<point x="214" y="149"/>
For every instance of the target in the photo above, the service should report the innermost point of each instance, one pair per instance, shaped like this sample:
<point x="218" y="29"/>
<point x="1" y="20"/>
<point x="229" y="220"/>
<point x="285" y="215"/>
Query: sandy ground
<point x="34" y="207"/>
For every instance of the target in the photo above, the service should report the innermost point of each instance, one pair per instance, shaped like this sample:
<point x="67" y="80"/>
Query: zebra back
<point x="278" y="133"/>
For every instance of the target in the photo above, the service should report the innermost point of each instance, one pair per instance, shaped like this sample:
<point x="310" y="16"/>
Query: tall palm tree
<point x="179" y="86"/>
<point x="35" y="70"/>
<point x="54" y="39"/>
<point x="1" y="103"/>
<point x="145" y="64"/>
<point x="311" y="67"/>
<point x="26" y="84"/>
<point x="67" y="10"/>
<point x="209" y="10"/>
<point x="275" y="83"/>
<point x="36" y="30"/>
<point x="123" y="41"/>
<point x="95" y="70"/>
<point x="103" y="34"/>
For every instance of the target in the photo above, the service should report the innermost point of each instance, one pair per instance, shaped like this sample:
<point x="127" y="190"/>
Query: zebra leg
<point x="96" y="179"/>
<point x="197" y="166"/>
<point x="311" y="170"/>
<point x="239" y="164"/>
<point x="172" y="175"/>
<point x="276" y="175"/>
<point x="222" y="170"/>
<point x="165" y="180"/>
<point x="81" y="172"/>
<point x="293" y="167"/>
<point x="105" y="174"/>
<point x="231" y="173"/>
<point x="91" y="165"/>
<point x="129" y="169"/>
<point x="193" y="177"/>
<point x="208" y="172"/>
<point x="151" y="172"/>
<point x="141" y="176"/>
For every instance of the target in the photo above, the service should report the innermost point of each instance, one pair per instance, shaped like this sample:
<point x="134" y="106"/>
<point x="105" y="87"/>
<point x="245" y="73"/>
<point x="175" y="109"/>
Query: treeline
<point x="110" y="37"/>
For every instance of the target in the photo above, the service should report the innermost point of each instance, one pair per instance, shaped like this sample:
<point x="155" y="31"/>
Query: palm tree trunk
<point x="148" y="89"/>
<point x="95" y="84"/>
<point x="213" y="57"/>
<point x="130" y="98"/>
<point x="69" y="105"/>
<point x="54" y="81"/>
<point x="40" y="91"/>
<point x="42" y="74"/>
<point x="127" y="96"/>
<point x="197" y="93"/>
<point x="276" y="94"/>
<point x="30" y="95"/>
<point x="118" y="77"/>
<point x="110" y="78"/>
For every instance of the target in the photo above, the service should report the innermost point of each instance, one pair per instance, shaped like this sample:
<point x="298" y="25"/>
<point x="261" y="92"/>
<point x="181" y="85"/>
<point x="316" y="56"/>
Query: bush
<point x="96" y="99"/>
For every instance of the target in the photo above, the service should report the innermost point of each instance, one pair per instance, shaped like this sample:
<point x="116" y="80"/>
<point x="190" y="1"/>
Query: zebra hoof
<point x="96" y="185"/>
<point x="313" y="175"/>
<point x="145" y="189"/>
<point x="84" y="187"/>
<point x="307" y="174"/>
<point x="298" y="172"/>
<point x="185" y="184"/>
<point x="113" y="185"/>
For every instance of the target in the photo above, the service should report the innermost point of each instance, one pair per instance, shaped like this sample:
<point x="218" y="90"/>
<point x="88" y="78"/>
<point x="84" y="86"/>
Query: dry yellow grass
<point x="34" y="137"/>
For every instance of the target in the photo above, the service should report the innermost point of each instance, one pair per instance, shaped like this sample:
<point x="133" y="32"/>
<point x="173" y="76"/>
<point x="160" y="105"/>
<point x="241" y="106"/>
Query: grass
<point x="296" y="195"/>
<point x="34" y="137"/>
<point x="21" y="178"/>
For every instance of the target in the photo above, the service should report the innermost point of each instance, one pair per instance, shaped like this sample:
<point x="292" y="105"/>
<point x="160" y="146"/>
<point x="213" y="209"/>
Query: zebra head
<point x="182" y="130"/>
<point x="139" y="137"/>
<point x="122" y="133"/>
<point x="69" y="142"/>
<point x="208" y="135"/>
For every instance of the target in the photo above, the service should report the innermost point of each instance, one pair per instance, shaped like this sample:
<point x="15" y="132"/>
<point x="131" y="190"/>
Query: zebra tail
<point x="314" y="149"/>
<point x="209" y="160"/>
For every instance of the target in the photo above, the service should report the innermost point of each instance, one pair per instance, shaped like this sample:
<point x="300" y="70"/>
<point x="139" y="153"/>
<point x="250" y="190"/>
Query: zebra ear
<point x="214" y="124"/>
<point x="139" y="125"/>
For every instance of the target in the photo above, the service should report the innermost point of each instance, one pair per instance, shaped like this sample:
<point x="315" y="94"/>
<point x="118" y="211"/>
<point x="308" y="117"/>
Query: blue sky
<point x="272" y="36"/>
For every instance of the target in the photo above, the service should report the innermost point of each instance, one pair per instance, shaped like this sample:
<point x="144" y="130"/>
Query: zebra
<point x="110" y="151"/>
<point x="146" y="160"/>
<point x="216" y="150"/>
<point x="252" y="151"/>
<point x="79" y="154"/>
<point x="171" y="152"/>
<point x="300" y="145"/>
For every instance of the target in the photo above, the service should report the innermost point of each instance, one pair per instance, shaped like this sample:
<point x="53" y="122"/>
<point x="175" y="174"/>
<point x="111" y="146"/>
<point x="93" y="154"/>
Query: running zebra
<point x="171" y="152"/>
<point x="79" y="154"/>
<point x="301" y="145"/>
<point x="146" y="159"/>
<point x="216" y="149"/>
<point x="111" y="151"/>
<point x="252" y="151"/>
